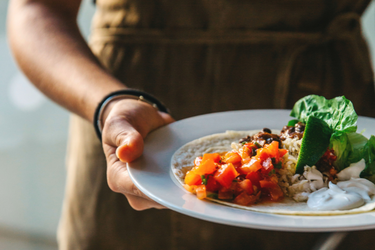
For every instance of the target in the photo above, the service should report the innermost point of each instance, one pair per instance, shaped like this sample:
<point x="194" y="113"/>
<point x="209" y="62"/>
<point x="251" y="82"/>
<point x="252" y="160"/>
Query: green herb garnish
<point x="272" y="172"/>
<point x="204" y="179"/>
<point x="277" y="165"/>
<point x="213" y="195"/>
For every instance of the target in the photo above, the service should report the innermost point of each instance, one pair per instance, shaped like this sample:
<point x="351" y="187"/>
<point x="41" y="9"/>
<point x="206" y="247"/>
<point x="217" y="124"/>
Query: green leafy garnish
<point x="338" y="112"/>
<point x="277" y="165"/>
<point x="257" y="145"/>
<point x="369" y="156"/>
<point x="348" y="148"/>
<point x="204" y="179"/>
<point x="292" y="123"/>
<point x="213" y="195"/>
<point x="272" y="172"/>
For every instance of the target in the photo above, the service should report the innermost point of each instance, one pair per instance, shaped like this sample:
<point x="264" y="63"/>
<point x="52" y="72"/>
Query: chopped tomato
<point x="198" y="161"/>
<point x="192" y="178"/>
<point x="215" y="157"/>
<point x="212" y="184"/>
<point x="226" y="174"/>
<point x="207" y="166"/>
<point x="276" y="193"/>
<point x="282" y="152"/>
<point x="245" y="154"/>
<point x="246" y="160"/>
<point x="225" y="194"/>
<point x="254" y="177"/>
<point x="247" y="186"/>
<point x="272" y="188"/>
<point x="250" y="146"/>
<point x="189" y="188"/>
<point x="201" y="192"/>
<point x="253" y="166"/>
<point x="262" y="154"/>
<point x="232" y="157"/>
<point x="267" y="166"/>
<point x="273" y="149"/>
<point x="267" y="184"/>
<point x="223" y="175"/>
<point x="245" y="199"/>
<point x="269" y="151"/>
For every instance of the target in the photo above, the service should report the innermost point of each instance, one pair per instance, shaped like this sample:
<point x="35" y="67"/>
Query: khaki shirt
<point x="202" y="56"/>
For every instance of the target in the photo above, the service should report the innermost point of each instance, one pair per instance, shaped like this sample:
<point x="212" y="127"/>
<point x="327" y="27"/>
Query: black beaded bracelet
<point x="124" y="94"/>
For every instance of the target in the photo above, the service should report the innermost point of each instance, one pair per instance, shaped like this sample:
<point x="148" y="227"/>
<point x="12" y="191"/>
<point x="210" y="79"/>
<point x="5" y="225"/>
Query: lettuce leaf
<point x="338" y="112"/>
<point x="341" y="145"/>
<point x="358" y="142"/>
<point x="369" y="156"/>
<point x="348" y="148"/>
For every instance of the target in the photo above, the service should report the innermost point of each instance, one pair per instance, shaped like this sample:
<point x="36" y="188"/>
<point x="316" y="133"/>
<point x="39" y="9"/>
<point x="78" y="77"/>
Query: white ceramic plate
<point x="152" y="175"/>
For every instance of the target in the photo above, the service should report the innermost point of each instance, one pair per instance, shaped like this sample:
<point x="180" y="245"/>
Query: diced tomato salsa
<point x="241" y="176"/>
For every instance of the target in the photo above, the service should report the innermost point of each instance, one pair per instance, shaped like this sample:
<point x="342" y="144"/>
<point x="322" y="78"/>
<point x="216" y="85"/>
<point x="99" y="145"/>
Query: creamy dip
<point x="351" y="192"/>
<point x="335" y="198"/>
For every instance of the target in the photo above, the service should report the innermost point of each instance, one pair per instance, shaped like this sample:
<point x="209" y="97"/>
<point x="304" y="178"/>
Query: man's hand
<point x="126" y="123"/>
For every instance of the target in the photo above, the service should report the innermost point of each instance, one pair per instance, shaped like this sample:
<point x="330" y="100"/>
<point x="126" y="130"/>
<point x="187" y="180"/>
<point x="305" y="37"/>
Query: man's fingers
<point x="123" y="133"/>
<point x="119" y="181"/>
<point x="140" y="204"/>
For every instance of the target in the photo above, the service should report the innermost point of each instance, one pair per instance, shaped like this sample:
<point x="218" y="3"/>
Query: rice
<point x="293" y="145"/>
<point x="294" y="185"/>
<point x="287" y="172"/>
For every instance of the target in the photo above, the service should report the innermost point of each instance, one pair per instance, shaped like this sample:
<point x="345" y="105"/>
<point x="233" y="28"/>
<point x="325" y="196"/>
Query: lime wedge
<point x="315" y="142"/>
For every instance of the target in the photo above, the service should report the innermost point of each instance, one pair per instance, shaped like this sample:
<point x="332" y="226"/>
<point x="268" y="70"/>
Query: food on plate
<point x="316" y="165"/>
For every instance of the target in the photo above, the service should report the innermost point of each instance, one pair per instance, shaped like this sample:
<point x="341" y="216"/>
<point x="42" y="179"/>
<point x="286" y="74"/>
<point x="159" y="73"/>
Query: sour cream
<point x="334" y="198"/>
<point x="343" y="196"/>
<point x="354" y="170"/>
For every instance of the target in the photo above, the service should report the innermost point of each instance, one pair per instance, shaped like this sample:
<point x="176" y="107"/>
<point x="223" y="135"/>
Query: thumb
<point x="127" y="140"/>
<point x="131" y="147"/>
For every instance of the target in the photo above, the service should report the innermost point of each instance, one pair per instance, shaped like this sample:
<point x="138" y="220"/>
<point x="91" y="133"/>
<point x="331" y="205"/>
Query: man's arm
<point x="49" y="48"/>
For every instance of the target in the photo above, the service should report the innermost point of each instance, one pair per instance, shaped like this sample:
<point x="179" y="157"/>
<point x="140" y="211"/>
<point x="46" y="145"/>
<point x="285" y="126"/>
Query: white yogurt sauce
<point x="351" y="192"/>
<point x="335" y="198"/>
<point x="354" y="170"/>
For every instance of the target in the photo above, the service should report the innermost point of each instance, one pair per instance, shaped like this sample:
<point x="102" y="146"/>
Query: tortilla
<point x="183" y="160"/>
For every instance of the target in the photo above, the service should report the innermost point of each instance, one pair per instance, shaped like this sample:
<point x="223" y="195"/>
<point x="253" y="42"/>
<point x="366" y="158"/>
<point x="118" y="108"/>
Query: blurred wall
<point x="33" y="133"/>
<point x="32" y="147"/>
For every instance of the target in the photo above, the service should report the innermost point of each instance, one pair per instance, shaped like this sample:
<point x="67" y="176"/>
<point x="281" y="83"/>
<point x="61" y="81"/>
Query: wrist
<point x="107" y="110"/>
<point x="106" y="105"/>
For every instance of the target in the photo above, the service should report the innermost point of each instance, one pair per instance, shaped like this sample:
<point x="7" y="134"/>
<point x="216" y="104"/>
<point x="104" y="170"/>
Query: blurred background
<point x="33" y="133"/>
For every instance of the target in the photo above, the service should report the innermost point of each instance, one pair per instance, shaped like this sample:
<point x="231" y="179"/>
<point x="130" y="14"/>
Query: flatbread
<point x="183" y="160"/>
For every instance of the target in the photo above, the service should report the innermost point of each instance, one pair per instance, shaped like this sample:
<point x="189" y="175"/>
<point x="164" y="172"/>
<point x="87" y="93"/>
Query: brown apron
<point x="201" y="56"/>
